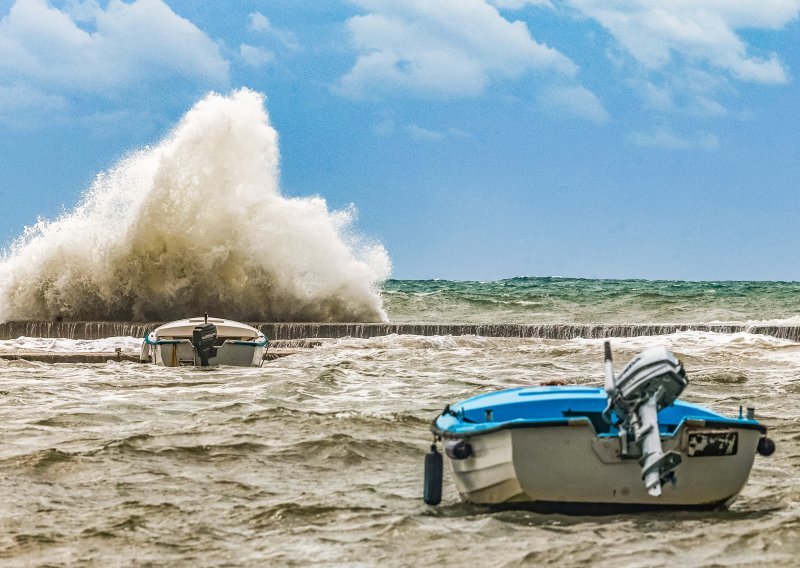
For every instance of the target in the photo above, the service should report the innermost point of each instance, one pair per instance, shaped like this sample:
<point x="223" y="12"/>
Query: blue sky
<point x="478" y="139"/>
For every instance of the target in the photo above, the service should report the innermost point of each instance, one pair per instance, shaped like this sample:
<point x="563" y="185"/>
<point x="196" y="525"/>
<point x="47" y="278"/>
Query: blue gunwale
<point x="532" y="407"/>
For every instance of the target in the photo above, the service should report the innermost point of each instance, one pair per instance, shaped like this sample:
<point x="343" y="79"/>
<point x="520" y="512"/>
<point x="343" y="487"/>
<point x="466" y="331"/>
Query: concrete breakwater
<point x="103" y="357"/>
<point x="298" y="331"/>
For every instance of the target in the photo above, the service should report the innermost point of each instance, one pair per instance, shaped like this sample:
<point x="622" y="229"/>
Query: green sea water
<point x="575" y="300"/>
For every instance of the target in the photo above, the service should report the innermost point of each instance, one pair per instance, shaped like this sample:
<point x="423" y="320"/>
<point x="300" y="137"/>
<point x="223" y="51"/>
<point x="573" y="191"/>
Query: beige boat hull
<point x="572" y="465"/>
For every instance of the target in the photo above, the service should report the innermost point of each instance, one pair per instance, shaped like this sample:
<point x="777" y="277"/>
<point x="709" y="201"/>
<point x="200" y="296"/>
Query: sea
<point x="317" y="458"/>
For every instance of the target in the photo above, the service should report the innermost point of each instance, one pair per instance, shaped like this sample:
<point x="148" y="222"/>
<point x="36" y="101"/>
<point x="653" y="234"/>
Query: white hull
<point x="572" y="465"/>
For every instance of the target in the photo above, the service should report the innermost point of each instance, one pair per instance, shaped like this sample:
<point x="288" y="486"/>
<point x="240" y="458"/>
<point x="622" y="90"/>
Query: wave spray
<point x="197" y="223"/>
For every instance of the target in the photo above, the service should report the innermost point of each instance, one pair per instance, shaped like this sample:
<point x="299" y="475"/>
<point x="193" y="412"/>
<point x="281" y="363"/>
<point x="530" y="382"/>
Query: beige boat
<point x="204" y="341"/>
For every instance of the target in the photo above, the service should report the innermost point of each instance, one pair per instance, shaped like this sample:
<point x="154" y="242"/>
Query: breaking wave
<point x="197" y="223"/>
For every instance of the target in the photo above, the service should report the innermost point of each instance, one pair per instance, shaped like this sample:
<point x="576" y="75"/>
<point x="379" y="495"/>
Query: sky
<point x="478" y="139"/>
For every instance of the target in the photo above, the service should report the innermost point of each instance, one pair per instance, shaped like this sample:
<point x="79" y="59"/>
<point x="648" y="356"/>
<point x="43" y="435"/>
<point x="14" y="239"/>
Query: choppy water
<point x="576" y="300"/>
<point x="317" y="459"/>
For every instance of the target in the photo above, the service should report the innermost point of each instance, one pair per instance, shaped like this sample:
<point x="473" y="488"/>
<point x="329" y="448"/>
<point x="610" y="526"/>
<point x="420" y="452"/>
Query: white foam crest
<point x="699" y="343"/>
<point x="408" y="341"/>
<point x="194" y="224"/>
<point x="130" y="345"/>
<point x="780" y="322"/>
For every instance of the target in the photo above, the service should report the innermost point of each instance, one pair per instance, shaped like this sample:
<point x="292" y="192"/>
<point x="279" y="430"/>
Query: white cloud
<point x="21" y="95"/>
<point x="656" y="97"/>
<point x="37" y="107"/>
<point x="384" y="128"/>
<point x="689" y="53"/>
<point x="447" y="48"/>
<point x="259" y="23"/>
<point x="576" y="101"/>
<point x="665" y="138"/>
<point x="517" y="4"/>
<point x="706" y="107"/>
<point x="708" y="142"/>
<point x="692" y="91"/>
<point x="255" y="56"/>
<point x="655" y="32"/>
<point x="423" y="134"/>
<point x="128" y="46"/>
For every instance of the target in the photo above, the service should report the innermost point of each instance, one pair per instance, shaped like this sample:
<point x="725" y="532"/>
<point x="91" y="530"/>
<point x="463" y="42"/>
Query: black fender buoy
<point x="432" y="492"/>
<point x="458" y="449"/>
<point x="766" y="447"/>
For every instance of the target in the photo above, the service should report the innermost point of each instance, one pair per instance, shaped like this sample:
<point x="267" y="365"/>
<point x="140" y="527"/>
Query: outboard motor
<point x="203" y="339"/>
<point x="650" y="382"/>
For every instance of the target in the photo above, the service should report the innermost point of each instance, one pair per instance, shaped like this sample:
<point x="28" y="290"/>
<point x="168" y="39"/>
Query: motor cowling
<point x="651" y="381"/>
<point x="655" y="371"/>
<point x="203" y="339"/>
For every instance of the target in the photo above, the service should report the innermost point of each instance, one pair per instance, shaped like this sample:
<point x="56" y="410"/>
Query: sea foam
<point x="197" y="223"/>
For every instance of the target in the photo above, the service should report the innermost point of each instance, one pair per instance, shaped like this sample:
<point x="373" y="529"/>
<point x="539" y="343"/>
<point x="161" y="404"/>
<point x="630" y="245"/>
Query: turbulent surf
<point x="318" y="458"/>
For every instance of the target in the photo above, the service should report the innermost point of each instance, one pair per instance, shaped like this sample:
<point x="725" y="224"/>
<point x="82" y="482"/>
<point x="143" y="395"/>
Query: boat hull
<point x="229" y="353"/>
<point x="569" y="467"/>
<point x="235" y="344"/>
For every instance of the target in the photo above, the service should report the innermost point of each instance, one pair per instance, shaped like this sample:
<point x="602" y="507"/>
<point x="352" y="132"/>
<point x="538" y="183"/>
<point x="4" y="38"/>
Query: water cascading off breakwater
<point x="295" y="331"/>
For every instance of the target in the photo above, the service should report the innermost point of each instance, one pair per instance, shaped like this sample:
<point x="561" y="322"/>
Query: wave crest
<point x="197" y="223"/>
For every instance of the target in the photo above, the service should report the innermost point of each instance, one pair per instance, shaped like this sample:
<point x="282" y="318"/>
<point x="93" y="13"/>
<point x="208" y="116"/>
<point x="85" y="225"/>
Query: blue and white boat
<point x="630" y="445"/>
<point x="204" y="341"/>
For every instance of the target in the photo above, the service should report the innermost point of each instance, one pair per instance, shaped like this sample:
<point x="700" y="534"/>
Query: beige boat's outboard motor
<point x="203" y="339"/>
<point x="651" y="381"/>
